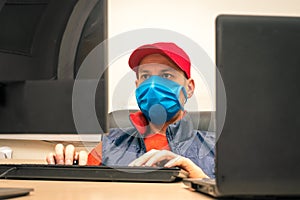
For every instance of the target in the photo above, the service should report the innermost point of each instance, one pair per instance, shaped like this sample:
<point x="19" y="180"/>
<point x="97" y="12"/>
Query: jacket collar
<point x="184" y="125"/>
<point x="180" y="135"/>
<point x="139" y="121"/>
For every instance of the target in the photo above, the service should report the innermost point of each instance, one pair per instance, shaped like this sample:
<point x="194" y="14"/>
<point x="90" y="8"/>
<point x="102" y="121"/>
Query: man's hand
<point x="155" y="157"/>
<point x="67" y="156"/>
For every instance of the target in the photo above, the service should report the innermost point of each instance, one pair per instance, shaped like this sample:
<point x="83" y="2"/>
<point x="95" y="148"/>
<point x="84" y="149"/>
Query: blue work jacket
<point x="123" y="145"/>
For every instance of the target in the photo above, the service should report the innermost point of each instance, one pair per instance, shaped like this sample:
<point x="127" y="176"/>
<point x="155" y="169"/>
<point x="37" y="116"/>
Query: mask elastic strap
<point x="185" y="96"/>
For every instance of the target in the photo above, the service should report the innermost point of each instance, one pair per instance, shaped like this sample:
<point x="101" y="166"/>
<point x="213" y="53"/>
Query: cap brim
<point x="142" y="52"/>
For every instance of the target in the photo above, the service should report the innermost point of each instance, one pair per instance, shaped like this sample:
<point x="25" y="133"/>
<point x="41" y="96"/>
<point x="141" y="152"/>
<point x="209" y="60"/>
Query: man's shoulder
<point x="119" y="138"/>
<point x="206" y="134"/>
<point x="206" y="137"/>
<point x="118" y="132"/>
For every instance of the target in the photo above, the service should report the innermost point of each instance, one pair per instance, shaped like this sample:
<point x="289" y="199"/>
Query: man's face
<point x="159" y="65"/>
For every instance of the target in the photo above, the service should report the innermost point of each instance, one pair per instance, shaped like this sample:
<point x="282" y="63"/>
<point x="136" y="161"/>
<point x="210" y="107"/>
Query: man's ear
<point x="190" y="87"/>
<point x="137" y="78"/>
<point x="136" y="83"/>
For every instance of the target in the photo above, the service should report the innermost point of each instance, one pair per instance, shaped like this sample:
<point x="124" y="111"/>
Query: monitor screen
<point x="30" y="38"/>
<point x="18" y="30"/>
<point x="34" y="97"/>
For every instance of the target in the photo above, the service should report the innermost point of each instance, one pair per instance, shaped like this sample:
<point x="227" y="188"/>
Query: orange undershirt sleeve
<point x="95" y="156"/>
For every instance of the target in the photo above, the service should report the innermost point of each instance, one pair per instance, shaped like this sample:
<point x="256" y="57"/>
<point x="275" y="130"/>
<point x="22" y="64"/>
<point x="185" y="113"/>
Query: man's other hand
<point x="67" y="156"/>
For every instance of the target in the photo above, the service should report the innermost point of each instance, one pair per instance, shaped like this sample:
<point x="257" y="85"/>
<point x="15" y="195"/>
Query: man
<point x="162" y="132"/>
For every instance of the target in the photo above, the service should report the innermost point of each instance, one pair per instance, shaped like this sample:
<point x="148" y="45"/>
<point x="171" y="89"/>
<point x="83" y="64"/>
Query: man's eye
<point x="145" y="76"/>
<point x="167" y="76"/>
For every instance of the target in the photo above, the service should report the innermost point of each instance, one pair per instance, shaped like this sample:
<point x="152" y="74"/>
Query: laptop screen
<point x="258" y="59"/>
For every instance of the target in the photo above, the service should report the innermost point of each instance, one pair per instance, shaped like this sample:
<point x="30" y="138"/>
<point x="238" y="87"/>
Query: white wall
<point x="193" y="18"/>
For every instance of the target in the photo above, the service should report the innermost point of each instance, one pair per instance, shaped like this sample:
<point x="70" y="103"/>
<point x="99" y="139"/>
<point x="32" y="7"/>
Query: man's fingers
<point x="83" y="156"/>
<point x="160" y="156"/>
<point x="50" y="158"/>
<point x="69" y="154"/>
<point x="59" y="154"/>
<point x="177" y="161"/>
<point x="143" y="159"/>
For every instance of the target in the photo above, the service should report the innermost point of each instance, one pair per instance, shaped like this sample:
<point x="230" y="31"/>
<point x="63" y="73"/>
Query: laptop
<point x="257" y="153"/>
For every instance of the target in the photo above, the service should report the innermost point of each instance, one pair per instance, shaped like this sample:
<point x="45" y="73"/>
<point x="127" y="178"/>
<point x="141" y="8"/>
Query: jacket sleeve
<point x="201" y="152"/>
<point x="98" y="154"/>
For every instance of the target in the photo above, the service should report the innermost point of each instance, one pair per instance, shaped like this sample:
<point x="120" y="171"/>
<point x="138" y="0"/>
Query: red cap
<point x="171" y="50"/>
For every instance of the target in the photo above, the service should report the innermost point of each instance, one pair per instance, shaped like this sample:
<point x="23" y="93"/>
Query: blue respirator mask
<point x="159" y="99"/>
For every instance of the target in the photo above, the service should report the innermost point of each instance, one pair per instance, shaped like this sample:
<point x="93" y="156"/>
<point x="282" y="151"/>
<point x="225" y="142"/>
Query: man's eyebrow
<point x="144" y="71"/>
<point x="167" y="70"/>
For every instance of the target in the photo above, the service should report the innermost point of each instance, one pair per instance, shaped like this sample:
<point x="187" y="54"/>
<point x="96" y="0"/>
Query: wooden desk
<point x="86" y="190"/>
<point x="66" y="190"/>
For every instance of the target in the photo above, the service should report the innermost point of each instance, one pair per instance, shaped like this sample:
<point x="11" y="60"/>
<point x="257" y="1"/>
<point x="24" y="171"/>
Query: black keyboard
<point x="91" y="173"/>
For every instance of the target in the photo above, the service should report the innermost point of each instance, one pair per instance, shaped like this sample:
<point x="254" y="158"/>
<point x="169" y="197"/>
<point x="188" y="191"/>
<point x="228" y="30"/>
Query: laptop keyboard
<point x="208" y="181"/>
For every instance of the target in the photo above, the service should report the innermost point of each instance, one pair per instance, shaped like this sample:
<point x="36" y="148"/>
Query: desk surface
<point x="103" y="190"/>
<point x="74" y="190"/>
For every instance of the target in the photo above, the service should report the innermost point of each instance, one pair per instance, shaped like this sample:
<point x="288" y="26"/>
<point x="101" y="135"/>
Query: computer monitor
<point x="42" y="46"/>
